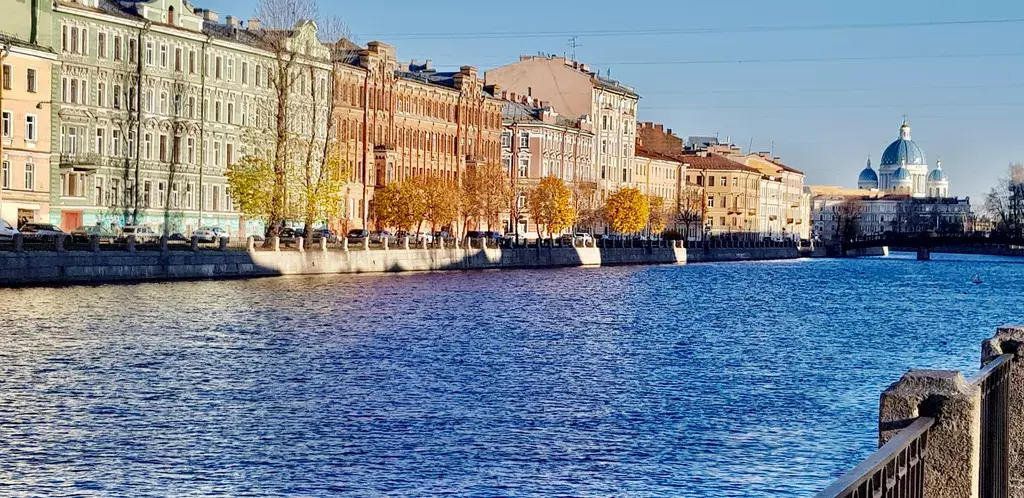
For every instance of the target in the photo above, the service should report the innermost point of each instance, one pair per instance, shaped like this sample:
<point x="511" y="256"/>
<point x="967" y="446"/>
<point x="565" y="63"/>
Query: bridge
<point x="928" y="242"/>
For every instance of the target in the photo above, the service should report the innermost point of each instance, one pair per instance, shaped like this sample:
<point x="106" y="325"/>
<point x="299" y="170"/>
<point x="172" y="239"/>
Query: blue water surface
<point x="735" y="379"/>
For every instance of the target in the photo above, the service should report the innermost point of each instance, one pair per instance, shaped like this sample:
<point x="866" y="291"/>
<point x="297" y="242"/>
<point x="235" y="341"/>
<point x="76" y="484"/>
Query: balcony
<point x="80" y="162"/>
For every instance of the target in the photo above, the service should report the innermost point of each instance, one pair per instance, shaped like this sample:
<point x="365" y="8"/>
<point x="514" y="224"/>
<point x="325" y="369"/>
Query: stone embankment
<point x="21" y="268"/>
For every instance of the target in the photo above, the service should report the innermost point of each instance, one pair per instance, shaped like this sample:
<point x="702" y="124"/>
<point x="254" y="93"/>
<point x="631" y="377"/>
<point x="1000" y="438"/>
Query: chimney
<point x="545" y="104"/>
<point x="253" y="25"/>
<point x="210" y="16"/>
<point x="670" y="131"/>
<point x="512" y="96"/>
<point x="232" y="20"/>
<point x="504" y="95"/>
<point x="426" y="65"/>
<point x="660" y="128"/>
<point x="412" y="62"/>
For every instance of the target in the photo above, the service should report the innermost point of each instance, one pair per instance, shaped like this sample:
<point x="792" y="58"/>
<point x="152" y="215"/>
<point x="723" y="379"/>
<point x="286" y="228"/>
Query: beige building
<point x="571" y="89"/>
<point x="732" y="191"/>
<point x="658" y="175"/>
<point x="782" y="207"/>
<point x="25" y="134"/>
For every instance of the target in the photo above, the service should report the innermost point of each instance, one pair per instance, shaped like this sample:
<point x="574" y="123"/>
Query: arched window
<point x="170" y="16"/>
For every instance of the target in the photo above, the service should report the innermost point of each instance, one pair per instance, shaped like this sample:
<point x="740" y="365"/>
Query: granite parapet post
<point x="1008" y="341"/>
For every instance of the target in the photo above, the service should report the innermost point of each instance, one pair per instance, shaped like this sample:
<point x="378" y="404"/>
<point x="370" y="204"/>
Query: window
<point x="177" y="59"/>
<point x="216" y="154"/>
<point x="259" y="75"/>
<point x="64" y="38"/>
<point x="721" y="221"/>
<point x="175" y="197"/>
<point x="190" y="146"/>
<point x="30" y="80"/>
<point x="216" y="111"/>
<point x="735" y="182"/>
<point x="5" y="181"/>
<point x="524" y="167"/>
<point x="147" y="144"/>
<point x="7" y="76"/>
<point x="115" y="143"/>
<point x="100" y="141"/>
<point x="101" y="94"/>
<point x="31" y="128"/>
<point x="133" y="51"/>
<point x="161" y="194"/>
<point x="163" y="56"/>
<point x="101" y="45"/>
<point x="149" y="54"/>
<point x="711" y="201"/>
<point x="163" y="148"/>
<point x="192" y="62"/>
<point x="711" y="181"/>
<point x="506" y="139"/>
<point x="245" y="73"/>
<point x="163" y="102"/>
<point x="30" y="176"/>
<point x="74" y="40"/>
<point x="231" y="69"/>
<point x="117" y="47"/>
<point x="8" y="124"/>
<point x="231" y="113"/>
<point x="725" y="182"/>
<point x="217" y="69"/>
<point x="231" y="154"/>
<point x="149" y="101"/>
<point x="189" y="196"/>
<point x="117" y="96"/>
<point x="191" y="107"/>
<point x="524" y="139"/>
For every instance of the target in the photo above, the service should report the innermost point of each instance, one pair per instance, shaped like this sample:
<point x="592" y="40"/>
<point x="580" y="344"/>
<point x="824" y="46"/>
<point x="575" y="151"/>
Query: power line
<point x="830" y="90"/>
<point x="809" y="59"/>
<point x="690" y="31"/>
<point x="837" y="106"/>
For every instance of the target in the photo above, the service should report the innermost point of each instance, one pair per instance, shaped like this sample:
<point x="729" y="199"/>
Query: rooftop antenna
<point x="773" y="148"/>
<point x="750" y="147"/>
<point x="574" y="44"/>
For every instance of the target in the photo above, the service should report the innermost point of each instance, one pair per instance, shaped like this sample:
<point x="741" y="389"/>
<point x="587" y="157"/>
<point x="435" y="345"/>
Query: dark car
<point x="357" y="236"/>
<point x="288" y="234"/>
<point x="40" y="230"/>
<point x="475" y="234"/>
<point x="324" y="233"/>
<point x="85" y="233"/>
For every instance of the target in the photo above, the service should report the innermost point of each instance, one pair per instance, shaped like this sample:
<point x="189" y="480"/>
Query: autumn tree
<point x="440" y="201"/>
<point x="627" y="211"/>
<point x="550" y="204"/>
<point x="486" y="194"/>
<point x="584" y="203"/>
<point x="656" y="220"/>
<point x="1005" y="203"/>
<point x="692" y="209"/>
<point x="251" y="180"/>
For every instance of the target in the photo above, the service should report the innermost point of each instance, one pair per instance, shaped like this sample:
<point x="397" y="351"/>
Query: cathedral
<point x="904" y="170"/>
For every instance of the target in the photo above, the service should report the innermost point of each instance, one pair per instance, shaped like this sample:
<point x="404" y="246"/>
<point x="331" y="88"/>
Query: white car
<point x="583" y="238"/>
<point x="7" y="232"/>
<point x="210" y="234"/>
<point x="423" y="237"/>
<point x="143" y="234"/>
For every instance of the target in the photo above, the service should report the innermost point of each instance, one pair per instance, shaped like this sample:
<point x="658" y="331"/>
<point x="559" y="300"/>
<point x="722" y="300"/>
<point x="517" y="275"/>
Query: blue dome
<point x="903" y="151"/>
<point x="937" y="175"/>
<point x="901" y="175"/>
<point x="868" y="175"/>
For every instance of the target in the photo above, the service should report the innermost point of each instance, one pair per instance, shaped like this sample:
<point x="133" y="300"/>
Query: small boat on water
<point x="977" y="279"/>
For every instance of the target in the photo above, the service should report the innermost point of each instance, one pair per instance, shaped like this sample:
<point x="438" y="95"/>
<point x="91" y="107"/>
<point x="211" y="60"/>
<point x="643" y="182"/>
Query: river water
<point x="736" y="379"/>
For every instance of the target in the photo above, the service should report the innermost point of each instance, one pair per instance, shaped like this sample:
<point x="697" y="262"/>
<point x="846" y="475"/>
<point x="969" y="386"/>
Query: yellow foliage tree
<point x="442" y="201"/>
<point x="657" y="218"/>
<point x="550" y="204"/>
<point x="627" y="211"/>
<point x="251" y="181"/>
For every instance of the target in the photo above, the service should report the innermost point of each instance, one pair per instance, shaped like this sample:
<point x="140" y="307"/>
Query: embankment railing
<point x="942" y="432"/>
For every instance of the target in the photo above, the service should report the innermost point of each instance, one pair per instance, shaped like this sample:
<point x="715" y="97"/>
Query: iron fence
<point x="994" y="382"/>
<point x="896" y="470"/>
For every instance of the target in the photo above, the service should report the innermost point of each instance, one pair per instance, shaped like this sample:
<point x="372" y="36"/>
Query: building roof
<point x="714" y="162"/>
<point x="613" y="85"/>
<point x="657" y="156"/>
<point x="519" y="112"/>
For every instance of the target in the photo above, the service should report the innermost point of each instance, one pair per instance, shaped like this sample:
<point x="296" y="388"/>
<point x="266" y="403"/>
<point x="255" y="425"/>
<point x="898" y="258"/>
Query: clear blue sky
<point x="824" y="116"/>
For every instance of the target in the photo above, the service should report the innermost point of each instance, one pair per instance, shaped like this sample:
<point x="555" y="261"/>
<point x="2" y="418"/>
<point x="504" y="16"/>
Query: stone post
<point x="440" y="242"/>
<point x="1008" y="341"/>
<point x="94" y="243"/>
<point x="405" y="242"/>
<point x="223" y="243"/>
<point x="58" y="243"/>
<point x="344" y="244"/>
<point x="131" y="243"/>
<point x="952" y="466"/>
<point x="300" y="244"/>
<point x="163" y="243"/>
<point x="275" y="243"/>
<point x="366" y="243"/>
<point x="455" y="242"/>
<point x="923" y="254"/>
<point x="195" y="243"/>
<point x="19" y="242"/>
<point x="386" y="243"/>
<point x="250" y="244"/>
<point x="323" y="244"/>
<point x="483" y="243"/>
<point x="423" y="243"/>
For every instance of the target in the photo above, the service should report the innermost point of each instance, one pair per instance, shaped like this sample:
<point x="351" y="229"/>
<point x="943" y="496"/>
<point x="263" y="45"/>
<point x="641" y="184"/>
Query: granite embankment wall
<point x="989" y="249"/>
<point x="80" y="267"/>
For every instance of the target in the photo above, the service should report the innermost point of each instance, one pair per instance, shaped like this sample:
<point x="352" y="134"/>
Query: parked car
<point x="210" y="234"/>
<point x="6" y="231"/>
<point x="357" y="236"/>
<point x="475" y="234"/>
<point x="492" y="235"/>
<point x="422" y="237"/>
<point x="288" y="235"/>
<point x="324" y="233"/>
<point x="143" y="234"/>
<point x="177" y="236"/>
<point x="583" y="238"/>
<point x="85" y="233"/>
<point x="377" y="237"/>
<point x="40" y="230"/>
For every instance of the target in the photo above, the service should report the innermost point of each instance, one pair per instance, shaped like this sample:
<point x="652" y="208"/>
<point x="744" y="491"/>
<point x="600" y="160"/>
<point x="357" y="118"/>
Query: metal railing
<point x="895" y="470"/>
<point x="994" y="382"/>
